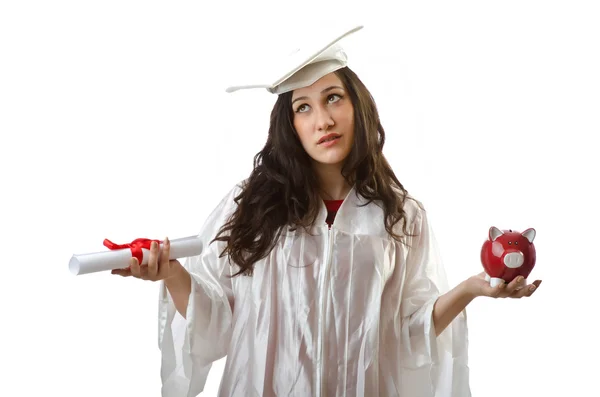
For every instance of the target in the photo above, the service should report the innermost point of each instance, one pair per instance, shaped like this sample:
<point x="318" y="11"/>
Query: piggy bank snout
<point x="514" y="259"/>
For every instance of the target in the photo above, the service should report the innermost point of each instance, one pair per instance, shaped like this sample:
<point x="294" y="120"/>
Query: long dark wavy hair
<point x="282" y="190"/>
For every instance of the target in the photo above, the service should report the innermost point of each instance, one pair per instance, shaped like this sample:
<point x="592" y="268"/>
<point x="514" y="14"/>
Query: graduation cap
<point x="305" y="65"/>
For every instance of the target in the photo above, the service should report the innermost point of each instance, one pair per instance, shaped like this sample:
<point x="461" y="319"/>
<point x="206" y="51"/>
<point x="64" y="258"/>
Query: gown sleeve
<point x="431" y="366"/>
<point x="190" y="345"/>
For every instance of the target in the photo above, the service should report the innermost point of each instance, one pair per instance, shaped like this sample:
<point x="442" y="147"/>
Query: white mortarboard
<point x="304" y="66"/>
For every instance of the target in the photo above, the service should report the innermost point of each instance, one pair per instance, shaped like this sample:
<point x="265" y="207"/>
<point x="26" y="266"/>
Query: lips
<point x="328" y="137"/>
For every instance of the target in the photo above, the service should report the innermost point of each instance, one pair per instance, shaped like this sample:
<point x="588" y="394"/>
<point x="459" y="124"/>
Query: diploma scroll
<point x="119" y="258"/>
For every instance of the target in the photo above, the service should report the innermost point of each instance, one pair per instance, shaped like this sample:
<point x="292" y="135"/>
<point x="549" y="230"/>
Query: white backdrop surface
<point x="115" y="124"/>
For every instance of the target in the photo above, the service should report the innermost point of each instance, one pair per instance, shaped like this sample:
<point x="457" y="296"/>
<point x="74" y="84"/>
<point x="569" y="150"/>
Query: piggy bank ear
<point x="529" y="234"/>
<point x="495" y="233"/>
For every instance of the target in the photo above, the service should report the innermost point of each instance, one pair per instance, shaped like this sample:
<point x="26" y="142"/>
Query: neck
<point x="332" y="184"/>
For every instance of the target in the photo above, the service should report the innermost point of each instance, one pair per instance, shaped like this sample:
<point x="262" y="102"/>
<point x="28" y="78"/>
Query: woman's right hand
<point x="159" y="266"/>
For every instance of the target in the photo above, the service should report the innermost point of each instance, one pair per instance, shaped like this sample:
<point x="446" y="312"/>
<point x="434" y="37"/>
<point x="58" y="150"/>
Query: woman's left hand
<point x="518" y="288"/>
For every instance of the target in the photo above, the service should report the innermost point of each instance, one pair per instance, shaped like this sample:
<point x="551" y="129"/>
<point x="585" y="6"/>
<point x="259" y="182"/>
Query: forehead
<point x="315" y="89"/>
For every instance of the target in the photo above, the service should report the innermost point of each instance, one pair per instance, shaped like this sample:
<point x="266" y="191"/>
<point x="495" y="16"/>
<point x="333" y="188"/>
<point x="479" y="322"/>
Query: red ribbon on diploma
<point x="135" y="246"/>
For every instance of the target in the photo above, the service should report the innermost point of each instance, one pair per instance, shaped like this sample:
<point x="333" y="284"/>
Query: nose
<point x="513" y="259"/>
<point x="324" y="121"/>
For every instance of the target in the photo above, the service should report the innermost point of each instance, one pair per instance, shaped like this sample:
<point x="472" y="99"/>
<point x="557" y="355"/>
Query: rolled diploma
<point x="119" y="259"/>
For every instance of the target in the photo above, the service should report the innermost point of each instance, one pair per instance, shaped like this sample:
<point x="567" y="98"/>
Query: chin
<point x="330" y="157"/>
<point x="334" y="161"/>
<point x="330" y="160"/>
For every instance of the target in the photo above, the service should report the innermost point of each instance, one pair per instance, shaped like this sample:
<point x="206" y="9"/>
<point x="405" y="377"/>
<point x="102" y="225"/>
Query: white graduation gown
<point x="346" y="311"/>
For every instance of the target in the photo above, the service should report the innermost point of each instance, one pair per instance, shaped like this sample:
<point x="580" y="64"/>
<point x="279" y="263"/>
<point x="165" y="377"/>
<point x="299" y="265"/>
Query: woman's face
<point x="324" y="120"/>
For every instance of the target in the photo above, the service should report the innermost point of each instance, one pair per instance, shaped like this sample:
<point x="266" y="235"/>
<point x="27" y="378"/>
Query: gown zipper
<point x="323" y="319"/>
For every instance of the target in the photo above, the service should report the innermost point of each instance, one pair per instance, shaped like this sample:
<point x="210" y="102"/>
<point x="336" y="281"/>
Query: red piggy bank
<point x="507" y="254"/>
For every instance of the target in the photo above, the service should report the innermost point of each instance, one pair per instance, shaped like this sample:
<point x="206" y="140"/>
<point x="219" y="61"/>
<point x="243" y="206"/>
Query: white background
<point x="115" y="124"/>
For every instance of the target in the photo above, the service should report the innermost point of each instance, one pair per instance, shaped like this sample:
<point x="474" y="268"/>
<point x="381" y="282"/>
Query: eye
<point x="510" y="243"/>
<point x="333" y="96"/>
<point x="302" y="108"/>
<point x="516" y="243"/>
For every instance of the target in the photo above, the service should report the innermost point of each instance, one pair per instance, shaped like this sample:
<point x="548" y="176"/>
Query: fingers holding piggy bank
<point x="508" y="254"/>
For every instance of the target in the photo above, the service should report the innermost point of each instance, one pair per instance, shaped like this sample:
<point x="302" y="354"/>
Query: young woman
<point x="319" y="274"/>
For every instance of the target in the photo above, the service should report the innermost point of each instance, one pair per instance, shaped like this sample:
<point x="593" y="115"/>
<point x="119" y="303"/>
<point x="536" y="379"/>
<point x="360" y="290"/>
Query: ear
<point x="529" y="234"/>
<point x="495" y="233"/>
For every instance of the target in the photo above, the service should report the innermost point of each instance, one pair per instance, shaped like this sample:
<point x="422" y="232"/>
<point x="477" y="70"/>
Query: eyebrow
<point x="322" y="92"/>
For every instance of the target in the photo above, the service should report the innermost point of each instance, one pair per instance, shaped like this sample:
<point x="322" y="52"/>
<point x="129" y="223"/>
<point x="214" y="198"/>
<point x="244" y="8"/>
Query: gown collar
<point x="345" y="214"/>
